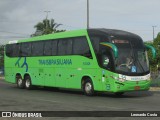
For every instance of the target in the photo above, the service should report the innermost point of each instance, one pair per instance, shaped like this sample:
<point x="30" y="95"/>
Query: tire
<point x="20" y="82"/>
<point x="28" y="83"/>
<point x="88" y="88"/>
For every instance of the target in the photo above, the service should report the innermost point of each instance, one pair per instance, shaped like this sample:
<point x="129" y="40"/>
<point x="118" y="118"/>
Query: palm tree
<point x="46" y="27"/>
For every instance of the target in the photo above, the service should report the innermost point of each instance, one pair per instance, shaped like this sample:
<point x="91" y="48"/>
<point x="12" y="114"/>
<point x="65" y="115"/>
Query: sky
<point x="18" y="17"/>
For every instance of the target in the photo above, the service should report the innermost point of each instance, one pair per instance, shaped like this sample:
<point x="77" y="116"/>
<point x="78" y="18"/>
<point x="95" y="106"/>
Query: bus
<point x="91" y="60"/>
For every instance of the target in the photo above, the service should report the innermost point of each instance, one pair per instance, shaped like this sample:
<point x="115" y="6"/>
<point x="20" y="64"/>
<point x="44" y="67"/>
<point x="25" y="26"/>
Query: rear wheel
<point x="20" y="82"/>
<point x="28" y="83"/>
<point x="88" y="88"/>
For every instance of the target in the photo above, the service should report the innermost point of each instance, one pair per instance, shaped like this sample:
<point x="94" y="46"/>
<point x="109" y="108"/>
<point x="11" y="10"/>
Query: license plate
<point x="137" y="87"/>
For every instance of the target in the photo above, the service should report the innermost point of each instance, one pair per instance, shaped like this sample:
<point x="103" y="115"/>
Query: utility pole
<point x="47" y="13"/>
<point x="153" y="31"/>
<point x="87" y="14"/>
<point x="47" y="17"/>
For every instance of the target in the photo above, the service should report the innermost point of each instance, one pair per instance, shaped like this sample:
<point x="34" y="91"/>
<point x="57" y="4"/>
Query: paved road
<point x="14" y="99"/>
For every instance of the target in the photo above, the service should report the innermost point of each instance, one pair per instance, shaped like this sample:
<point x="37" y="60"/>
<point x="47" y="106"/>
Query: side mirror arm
<point x="149" y="47"/>
<point x="111" y="46"/>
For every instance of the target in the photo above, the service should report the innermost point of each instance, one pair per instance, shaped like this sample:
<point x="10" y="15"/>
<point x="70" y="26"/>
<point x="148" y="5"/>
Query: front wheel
<point x="88" y="88"/>
<point x="28" y="83"/>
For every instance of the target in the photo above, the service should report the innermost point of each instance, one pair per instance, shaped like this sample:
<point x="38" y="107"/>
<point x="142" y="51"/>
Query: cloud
<point x="20" y="16"/>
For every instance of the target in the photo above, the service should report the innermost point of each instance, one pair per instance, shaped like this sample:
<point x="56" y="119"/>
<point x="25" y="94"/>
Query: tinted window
<point x="15" y="50"/>
<point x="48" y="48"/>
<point x="96" y="40"/>
<point x="65" y="47"/>
<point x="25" y="49"/>
<point x="54" y="47"/>
<point x="95" y="43"/>
<point x="81" y="47"/>
<point x="37" y="48"/>
<point x="105" y="59"/>
<point x="8" y="50"/>
<point x="69" y="47"/>
<point x="12" y="50"/>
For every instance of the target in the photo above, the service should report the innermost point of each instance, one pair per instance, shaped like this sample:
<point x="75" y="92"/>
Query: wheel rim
<point x="28" y="83"/>
<point x="88" y="87"/>
<point x="20" y="82"/>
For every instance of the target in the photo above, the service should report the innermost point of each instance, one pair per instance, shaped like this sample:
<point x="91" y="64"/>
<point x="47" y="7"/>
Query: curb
<point x="154" y="89"/>
<point x="1" y="78"/>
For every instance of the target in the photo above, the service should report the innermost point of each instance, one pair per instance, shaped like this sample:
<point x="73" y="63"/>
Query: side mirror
<point x="105" y="61"/>
<point x="149" y="47"/>
<point x="111" y="46"/>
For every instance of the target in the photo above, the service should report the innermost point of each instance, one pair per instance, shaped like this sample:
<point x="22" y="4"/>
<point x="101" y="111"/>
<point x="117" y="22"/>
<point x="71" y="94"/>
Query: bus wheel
<point x="28" y="83"/>
<point x="20" y="82"/>
<point x="88" y="88"/>
<point x="119" y="93"/>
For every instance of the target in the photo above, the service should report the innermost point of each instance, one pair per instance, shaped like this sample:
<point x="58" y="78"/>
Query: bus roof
<point x="65" y="34"/>
<point x="110" y="32"/>
<point x="114" y="32"/>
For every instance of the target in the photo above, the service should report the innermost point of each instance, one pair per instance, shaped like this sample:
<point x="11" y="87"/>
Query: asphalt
<point x="49" y="99"/>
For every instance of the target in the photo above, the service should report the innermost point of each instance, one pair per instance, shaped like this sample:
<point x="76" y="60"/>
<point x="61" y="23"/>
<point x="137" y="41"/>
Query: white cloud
<point x="136" y="16"/>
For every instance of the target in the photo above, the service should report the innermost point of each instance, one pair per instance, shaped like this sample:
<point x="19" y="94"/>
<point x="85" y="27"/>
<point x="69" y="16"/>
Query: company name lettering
<point x="56" y="62"/>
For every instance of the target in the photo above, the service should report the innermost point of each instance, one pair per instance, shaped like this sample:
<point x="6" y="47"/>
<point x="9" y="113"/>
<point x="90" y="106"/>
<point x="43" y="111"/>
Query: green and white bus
<point x="91" y="60"/>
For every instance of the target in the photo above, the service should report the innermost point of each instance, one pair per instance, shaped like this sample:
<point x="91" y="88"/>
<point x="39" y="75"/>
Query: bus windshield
<point x="132" y="57"/>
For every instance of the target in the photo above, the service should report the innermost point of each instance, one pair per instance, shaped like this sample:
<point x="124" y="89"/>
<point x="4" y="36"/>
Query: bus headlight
<point x="117" y="78"/>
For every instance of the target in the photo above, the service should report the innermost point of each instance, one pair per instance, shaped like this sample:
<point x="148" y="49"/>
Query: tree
<point x="156" y="44"/>
<point x="46" y="27"/>
<point x="155" y="62"/>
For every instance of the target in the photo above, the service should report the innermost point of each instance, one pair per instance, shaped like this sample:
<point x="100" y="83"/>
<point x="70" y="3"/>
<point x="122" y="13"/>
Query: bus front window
<point x="131" y="59"/>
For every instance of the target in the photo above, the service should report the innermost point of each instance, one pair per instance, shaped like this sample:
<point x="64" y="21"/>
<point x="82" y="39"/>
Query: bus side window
<point x="37" y="48"/>
<point x="9" y="50"/>
<point x="105" y="58"/>
<point x="62" y="47"/>
<point x="15" y="49"/>
<point x="65" y="47"/>
<point x="81" y="47"/>
<point x="25" y="49"/>
<point x="69" y="47"/>
<point x="12" y="50"/>
<point x="48" y="48"/>
<point x="95" y="43"/>
<point x="107" y="61"/>
<point x="54" y="47"/>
